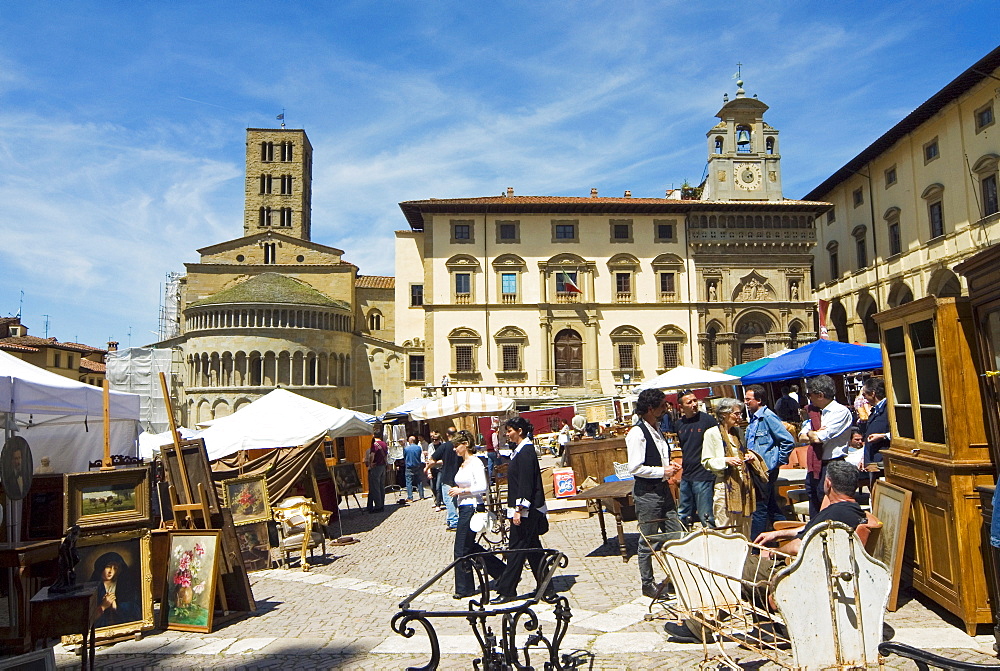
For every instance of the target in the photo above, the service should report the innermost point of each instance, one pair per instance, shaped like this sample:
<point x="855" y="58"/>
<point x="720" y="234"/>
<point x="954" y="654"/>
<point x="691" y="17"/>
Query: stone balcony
<point x="525" y="391"/>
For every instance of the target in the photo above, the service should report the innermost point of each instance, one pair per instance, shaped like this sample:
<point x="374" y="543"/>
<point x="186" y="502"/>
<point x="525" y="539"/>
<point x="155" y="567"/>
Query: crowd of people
<point x="730" y="458"/>
<point x="725" y="470"/>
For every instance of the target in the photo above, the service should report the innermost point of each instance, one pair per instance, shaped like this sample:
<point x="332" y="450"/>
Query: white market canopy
<point x="62" y="419"/>
<point x="279" y="419"/>
<point x="462" y="403"/>
<point x="683" y="377"/>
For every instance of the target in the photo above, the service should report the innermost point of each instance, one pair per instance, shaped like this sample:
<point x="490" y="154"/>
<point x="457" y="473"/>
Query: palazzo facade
<point x="914" y="204"/>
<point x="536" y="297"/>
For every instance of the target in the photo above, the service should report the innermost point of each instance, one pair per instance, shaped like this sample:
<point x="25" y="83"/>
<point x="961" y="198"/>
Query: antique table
<point x="617" y="496"/>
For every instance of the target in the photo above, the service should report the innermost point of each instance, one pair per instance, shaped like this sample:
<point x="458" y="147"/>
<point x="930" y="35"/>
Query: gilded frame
<point x="186" y="542"/>
<point x="78" y="506"/>
<point x="891" y="505"/>
<point x="125" y="543"/>
<point x="253" y="488"/>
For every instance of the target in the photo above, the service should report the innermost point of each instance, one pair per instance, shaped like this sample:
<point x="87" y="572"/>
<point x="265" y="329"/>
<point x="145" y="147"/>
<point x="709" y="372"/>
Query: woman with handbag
<point x="734" y="498"/>
<point x="470" y="486"/>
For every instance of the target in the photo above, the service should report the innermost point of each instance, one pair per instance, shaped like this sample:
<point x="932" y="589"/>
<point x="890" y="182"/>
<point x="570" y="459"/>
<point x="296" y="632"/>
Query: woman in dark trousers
<point x="470" y="485"/>
<point x="525" y="508"/>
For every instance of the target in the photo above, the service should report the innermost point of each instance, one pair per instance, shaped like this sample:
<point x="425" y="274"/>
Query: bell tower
<point x="743" y="158"/>
<point x="278" y="182"/>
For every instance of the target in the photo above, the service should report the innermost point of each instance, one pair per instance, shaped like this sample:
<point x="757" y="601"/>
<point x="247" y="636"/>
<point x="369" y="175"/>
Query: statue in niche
<point x="795" y="291"/>
<point x="713" y="293"/>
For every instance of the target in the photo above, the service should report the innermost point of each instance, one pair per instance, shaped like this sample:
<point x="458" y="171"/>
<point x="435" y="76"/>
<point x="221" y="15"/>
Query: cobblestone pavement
<point x="337" y="615"/>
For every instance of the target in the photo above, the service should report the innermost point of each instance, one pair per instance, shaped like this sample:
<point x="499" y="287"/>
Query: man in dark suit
<point x="876" y="436"/>
<point x="525" y="508"/>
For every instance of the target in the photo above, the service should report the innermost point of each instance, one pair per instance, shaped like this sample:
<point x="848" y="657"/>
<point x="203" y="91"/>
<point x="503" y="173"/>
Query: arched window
<point x="718" y="144"/>
<point x="668" y="269"/>
<point x="986" y="170"/>
<point x="623" y="268"/>
<point x="670" y="341"/>
<point x="625" y="341"/>
<point x="374" y="320"/>
<point x="860" y="234"/>
<point x="743" y="144"/>
<point x="934" y="195"/>
<point x="769" y="145"/>
<point x="510" y="342"/>
<point x="893" y="231"/>
<point x="465" y="344"/>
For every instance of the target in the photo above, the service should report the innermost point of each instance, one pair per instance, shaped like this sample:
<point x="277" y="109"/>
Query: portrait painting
<point x="246" y="498"/>
<point x="119" y="564"/>
<point x="107" y="498"/>
<point x="16" y="468"/>
<point x="255" y="546"/>
<point x="192" y="571"/>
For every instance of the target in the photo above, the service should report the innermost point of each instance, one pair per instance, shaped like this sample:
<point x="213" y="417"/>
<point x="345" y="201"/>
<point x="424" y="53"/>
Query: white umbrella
<point x="684" y="377"/>
<point x="463" y="403"/>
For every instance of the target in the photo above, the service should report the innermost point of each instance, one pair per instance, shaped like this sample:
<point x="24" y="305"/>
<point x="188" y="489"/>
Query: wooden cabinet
<point x="939" y="449"/>
<point x="595" y="458"/>
<point x="980" y="272"/>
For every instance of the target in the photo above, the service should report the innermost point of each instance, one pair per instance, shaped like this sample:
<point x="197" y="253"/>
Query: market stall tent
<point x="62" y="419"/>
<point x="742" y="369"/>
<point x="823" y="357"/>
<point x="279" y="419"/>
<point x="683" y="377"/>
<point x="463" y="404"/>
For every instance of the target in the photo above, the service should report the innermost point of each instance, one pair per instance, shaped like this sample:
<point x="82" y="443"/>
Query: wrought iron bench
<point x="499" y="650"/>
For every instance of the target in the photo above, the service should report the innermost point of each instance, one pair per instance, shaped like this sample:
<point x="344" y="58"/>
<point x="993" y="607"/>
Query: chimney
<point x="593" y="193"/>
<point x="628" y="194"/>
<point x="112" y="346"/>
<point x="510" y="192"/>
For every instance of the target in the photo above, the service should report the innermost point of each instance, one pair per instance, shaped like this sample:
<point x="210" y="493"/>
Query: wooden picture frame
<point x="191" y="579"/>
<point x="39" y="660"/>
<point x="130" y="553"/>
<point x="246" y="498"/>
<point x="891" y="505"/>
<point x="43" y="508"/>
<point x="198" y="471"/>
<point x="347" y="479"/>
<point x="100" y="499"/>
<point x="255" y="546"/>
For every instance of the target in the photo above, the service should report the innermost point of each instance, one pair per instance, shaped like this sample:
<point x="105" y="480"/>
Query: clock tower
<point x="743" y="158"/>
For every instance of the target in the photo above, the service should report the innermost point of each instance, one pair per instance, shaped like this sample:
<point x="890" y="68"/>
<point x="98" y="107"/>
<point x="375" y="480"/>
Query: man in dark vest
<point x="650" y="465"/>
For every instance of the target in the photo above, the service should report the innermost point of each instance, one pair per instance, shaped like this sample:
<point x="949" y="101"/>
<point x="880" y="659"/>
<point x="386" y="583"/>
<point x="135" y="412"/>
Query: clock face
<point x="747" y="176"/>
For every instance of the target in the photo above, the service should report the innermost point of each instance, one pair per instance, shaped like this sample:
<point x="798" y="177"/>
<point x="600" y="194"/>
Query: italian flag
<point x="569" y="286"/>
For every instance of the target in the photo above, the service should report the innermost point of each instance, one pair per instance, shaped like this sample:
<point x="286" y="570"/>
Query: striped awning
<point x="464" y="403"/>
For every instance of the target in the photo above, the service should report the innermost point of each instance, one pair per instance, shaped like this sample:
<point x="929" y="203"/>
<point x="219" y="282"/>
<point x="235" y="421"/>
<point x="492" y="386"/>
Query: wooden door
<point x="569" y="358"/>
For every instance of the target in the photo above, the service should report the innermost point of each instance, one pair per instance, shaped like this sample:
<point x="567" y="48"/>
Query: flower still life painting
<point x="189" y="595"/>
<point x="246" y="497"/>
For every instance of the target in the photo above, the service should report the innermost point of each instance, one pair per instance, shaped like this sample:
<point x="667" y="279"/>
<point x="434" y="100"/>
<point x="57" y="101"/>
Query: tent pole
<point x="106" y="464"/>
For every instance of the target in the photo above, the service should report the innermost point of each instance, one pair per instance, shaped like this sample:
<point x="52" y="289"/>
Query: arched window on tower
<point x="743" y="139"/>
<point x="769" y="145"/>
<point x="718" y="144"/>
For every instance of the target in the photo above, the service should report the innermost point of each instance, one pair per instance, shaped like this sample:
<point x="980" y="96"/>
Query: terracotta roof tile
<point x="375" y="282"/>
<point x="93" y="366"/>
<point x="16" y="348"/>
<point x="35" y="341"/>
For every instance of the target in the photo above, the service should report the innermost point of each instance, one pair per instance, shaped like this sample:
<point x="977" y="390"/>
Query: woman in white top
<point x="733" y="499"/>
<point x="470" y="486"/>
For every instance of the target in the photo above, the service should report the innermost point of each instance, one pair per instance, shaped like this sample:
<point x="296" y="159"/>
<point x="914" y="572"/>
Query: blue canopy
<point x="823" y="357"/>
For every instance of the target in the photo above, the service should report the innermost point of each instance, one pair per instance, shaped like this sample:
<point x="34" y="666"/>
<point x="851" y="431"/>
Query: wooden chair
<point x="300" y="528"/>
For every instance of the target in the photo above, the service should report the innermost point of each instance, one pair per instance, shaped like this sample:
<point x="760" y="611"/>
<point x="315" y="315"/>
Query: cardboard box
<point x="561" y="510"/>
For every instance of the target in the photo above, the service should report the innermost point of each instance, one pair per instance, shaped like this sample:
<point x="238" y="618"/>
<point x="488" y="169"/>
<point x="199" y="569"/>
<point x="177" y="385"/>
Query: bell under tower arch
<point x="744" y="162"/>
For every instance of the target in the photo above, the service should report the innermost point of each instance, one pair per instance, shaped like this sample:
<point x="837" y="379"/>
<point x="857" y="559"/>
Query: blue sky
<point x="122" y="124"/>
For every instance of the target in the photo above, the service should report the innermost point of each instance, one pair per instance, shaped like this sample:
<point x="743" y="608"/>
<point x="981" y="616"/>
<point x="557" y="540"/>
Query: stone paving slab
<point x="336" y="616"/>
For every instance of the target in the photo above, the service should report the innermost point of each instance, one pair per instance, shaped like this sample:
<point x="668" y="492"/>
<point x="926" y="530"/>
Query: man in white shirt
<point x="650" y="465"/>
<point x="834" y="432"/>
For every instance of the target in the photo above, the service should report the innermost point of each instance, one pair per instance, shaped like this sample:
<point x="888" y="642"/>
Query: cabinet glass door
<point x="895" y="345"/>
<point x="925" y="370"/>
